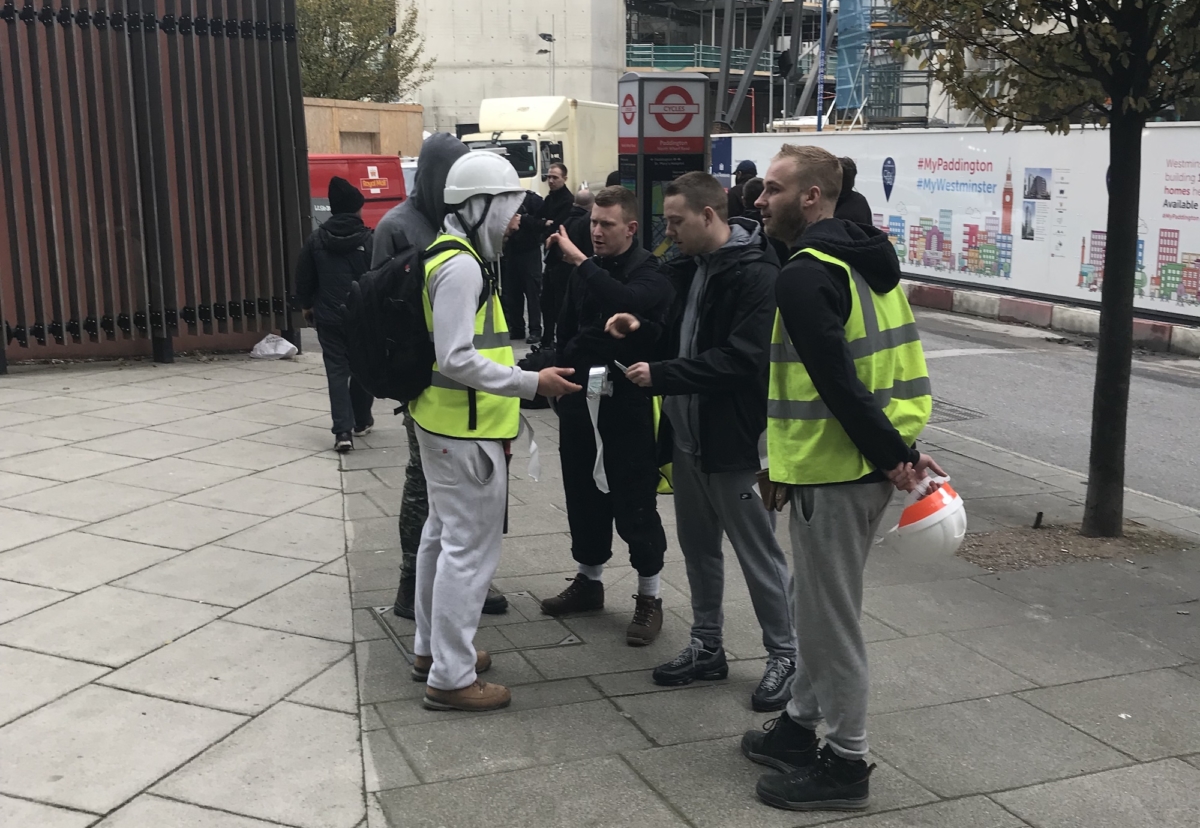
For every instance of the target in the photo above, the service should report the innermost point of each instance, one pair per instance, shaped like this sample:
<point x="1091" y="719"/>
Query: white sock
<point x="593" y="573"/>
<point x="649" y="586"/>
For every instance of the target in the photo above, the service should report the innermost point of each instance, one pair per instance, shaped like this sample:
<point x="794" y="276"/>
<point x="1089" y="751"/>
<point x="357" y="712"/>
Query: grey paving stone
<point x="147" y="414"/>
<point x="1194" y="760"/>
<point x="330" y="507"/>
<point x="149" y="811"/>
<point x="335" y="689"/>
<point x="942" y="606"/>
<point x="57" y="406"/>
<point x="383" y="674"/>
<point x="384" y="766"/>
<point x="175" y="525"/>
<point x="1176" y="627"/>
<point x="15" y="445"/>
<point x="20" y="599"/>
<point x="73" y="427"/>
<point x="212" y="427"/>
<point x="311" y="400"/>
<point x="604" y="650"/>
<point x="361" y="481"/>
<point x="146" y="444"/>
<point x="12" y="485"/>
<point x="176" y="383"/>
<point x="985" y="745"/>
<point x="601" y="791"/>
<point x="365" y="505"/>
<point x="536" y="519"/>
<point x="87" y="500"/>
<point x="695" y="713"/>
<point x="172" y="474"/>
<point x="1191" y="670"/>
<point x="64" y="463"/>
<point x="33" y="679"/>
<point x="314" y="605"/>
<point x="919" y="672"/>
<point x="293" y="764"/>
<point x="107" y="625"/>
<point x="98" y="747"/>
<point x="21" y="528"/>
<point x="229" y="667"/>
<point x="1067" y="650"/>
<point x="245" y="454"/>
<point x="366" y="628"/>
<point x="972" y="812"/>
<point x="372" y="597"/>
<point x="220" y="576"/>
<point x="19" y="812"/>
<point x="525" y="697"/>
<point x="256" y="496"/>
<point x="377" y="567"/>
<point x="336" y="567"/>
<point x="639" y="682"/>
<point x="296" y="436"/>
<point x="270" y="413"/>
<point x="318" y="470"/>
<point x="1161" y="794"/>
<point x="511" y="741"/>
<point x="712" y="785"/>
<point x="372" y="535"/>
<point x="1147" y="715"/>
<point x="294" y="536"/>
<point x="374" y="459"/>
<point x="1088" y="586"/>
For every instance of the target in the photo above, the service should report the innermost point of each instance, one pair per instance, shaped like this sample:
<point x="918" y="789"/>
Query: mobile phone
<point x="621" y="367"/>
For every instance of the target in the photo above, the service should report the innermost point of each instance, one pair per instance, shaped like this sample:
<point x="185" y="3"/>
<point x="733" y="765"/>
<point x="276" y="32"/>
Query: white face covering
<point x="490" y="236"/>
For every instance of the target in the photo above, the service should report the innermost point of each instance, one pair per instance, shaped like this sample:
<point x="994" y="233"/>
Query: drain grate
<point x="944" y="412"/>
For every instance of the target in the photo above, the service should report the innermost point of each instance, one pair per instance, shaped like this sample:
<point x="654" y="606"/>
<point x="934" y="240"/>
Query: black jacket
<point x="629" y="283"/>
<point x="529" y="235"/>
<point x="335" y="255"/>
<point x="852" y="206"/>
<point x="733" y="335"/>
<point x="555" y="209"/>
<point x="579" y="229"/>
<point x="814" y="301"/>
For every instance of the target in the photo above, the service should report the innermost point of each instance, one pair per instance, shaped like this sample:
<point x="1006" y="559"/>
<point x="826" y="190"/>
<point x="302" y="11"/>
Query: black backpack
<point x="389" y="346"/>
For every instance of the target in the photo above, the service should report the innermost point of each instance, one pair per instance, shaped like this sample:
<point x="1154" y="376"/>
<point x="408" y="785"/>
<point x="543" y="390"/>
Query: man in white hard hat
<point x="465" y="420"/>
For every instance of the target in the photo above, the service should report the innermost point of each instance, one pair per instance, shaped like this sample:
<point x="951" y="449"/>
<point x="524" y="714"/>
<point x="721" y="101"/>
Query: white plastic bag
<point x="274" y="347"/>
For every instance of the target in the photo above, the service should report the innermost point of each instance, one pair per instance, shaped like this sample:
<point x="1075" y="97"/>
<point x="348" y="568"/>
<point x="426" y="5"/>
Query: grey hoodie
<point x="416" y="222"/>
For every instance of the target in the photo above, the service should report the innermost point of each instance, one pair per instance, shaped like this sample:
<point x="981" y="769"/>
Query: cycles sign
<point x="674" y="109"/>
<point x="674" y="116"/>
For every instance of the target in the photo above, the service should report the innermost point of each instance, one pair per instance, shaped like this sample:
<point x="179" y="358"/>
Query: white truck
<point x="535" y="132"/>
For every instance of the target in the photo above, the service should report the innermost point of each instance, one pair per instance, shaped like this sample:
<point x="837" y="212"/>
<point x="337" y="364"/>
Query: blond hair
<point x="815" y="167"/>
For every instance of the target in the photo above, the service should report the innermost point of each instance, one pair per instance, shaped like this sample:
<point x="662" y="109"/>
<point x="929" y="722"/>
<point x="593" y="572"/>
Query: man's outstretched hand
<point x="553" y="382"/>
<point x="906" y="476"/>
<point x="621" y="325"/>
<point x="571" y="254"/>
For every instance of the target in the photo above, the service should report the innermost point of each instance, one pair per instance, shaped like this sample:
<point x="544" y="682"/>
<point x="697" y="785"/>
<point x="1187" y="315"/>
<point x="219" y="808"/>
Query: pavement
<point x="190" y="635"/>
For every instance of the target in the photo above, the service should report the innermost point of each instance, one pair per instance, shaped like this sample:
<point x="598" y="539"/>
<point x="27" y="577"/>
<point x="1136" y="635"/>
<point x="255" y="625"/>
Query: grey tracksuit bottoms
<point x="832" y="529"/>
<point x="725" y="502"/>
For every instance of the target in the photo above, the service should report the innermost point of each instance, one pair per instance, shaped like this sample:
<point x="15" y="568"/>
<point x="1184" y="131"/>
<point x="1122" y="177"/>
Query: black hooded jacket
<point x="814" y="301"/>
<point x="335" y="255"/>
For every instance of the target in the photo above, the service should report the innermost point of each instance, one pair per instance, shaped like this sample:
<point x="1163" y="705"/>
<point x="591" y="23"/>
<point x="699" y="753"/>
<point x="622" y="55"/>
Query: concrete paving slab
<point x="983" y="480"/>
<point x="1087" y="586"/>
<point x="12" y="485"/>
<point x="1176" y="627"/>
<point x="1022" y="510"/>
<point x="888" y="568"/>
<point x="229" y="667"/>
<point x="366" y="628"/>
<point x="512" y="741"/>
<point x="317" y="470"/>
<point x="147" y="413"/>
<point x="147" y="444"/>
<point x="19" y="812"/>
<point x="384" y="675"/>
<point x="10" y="395"/>
<point x="370" y="505"/>
<point x="174" y="475"/>
<point x="943" y="606"/>
<point x="57" y="406"/>
<point x="920" y="672"/>
<point x="330" y="507"/>
<point x="293" y="764"/>
<point x="212" y="427"/>
<point x="17" y="445"/>
<point x="1067" y="650"/>
<point x="270" y="413"/>
<point x="373" y="567"/>
<point x="149" y="811"/>
<point x="256" y="496"/>
<point x="87" y="500"/>
<point x="98" y="747"/>
<point x="535" y="696"/>
<point x="384" y="766"/>
<point x="107" y="625"/>
<point x="315" y="605"/>
<point x="601" y="791"/>
<point x="335" y="689"/>
<point x="712" y="785"/>
<point x="1147" y="715"/>
<point x="33" y="679"/>
<point x="695" y="713"/>
<point x="373" y="598"/>
<point x="298" y="436"/>
<point x="176" y="525"/>
<point x="540" y="519"/>
<point x="1191" y="670"/>
<point x="972" y="812"/>
<point x="1162" y="795"/>
<point x="354" y="482"/>
<point x="604" y="650"/>
<point x="219" y="576"/>
<point x="245" y="454"/>
<point x="985" y="745"/>
<point x="300" y="536"/>
<point x="639" y="682"/>
<point x="311" y="400"/>
<point x="21" y="528"/>
<point x="176" y="383"/>
<point x="12" y="418"/>
<point x="371" y="535"/>
<point x="73" y="428"/>
<point x="21" y="599"/>
<point x="336" y="567"/>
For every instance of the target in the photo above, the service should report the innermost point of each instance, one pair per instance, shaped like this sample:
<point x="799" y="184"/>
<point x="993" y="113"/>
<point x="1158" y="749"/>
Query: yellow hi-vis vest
<point x="806" y="445"/>
<point x="450" y="408"/>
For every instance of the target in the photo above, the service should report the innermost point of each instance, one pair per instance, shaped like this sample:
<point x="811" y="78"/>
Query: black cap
<point x="344" y="197"/>
<point x="747" y="166"/>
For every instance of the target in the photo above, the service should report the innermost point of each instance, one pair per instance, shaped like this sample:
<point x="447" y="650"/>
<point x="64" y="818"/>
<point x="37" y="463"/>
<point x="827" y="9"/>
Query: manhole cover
<point x="944" y="412"/>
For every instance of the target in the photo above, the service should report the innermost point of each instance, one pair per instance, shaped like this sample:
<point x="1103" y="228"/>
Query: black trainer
<point x="775" y="690"/>
<point x="829" y="784"/>
<point x="406" y="603"/>
<point x="343" y="443"/>
<point x="694" y="661"/>
<point x="496" y="603"/>
<point x="781" y="744"/>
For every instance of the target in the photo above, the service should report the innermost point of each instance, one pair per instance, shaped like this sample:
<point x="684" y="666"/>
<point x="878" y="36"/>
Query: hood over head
<point x="438" y="154"/>
<point x="492" y="215"/>
<point x="864" y="248"/>
<point x="343" y="232"/>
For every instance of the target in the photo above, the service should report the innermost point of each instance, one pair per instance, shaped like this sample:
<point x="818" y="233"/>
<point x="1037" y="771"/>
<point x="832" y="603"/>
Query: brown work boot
<point x="583" y="595"/>
<point x="474" y="698"/>
<point x="422" y="665"/>
<point x="647" y="621"/>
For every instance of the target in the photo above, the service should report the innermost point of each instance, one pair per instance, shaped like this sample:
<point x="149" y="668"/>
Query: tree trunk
<point x="1103" y="515"/>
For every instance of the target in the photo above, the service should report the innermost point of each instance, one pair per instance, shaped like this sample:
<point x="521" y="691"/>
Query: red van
<point x="379" y="177"/>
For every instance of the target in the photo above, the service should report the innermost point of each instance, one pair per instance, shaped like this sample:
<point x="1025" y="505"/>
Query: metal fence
<point x="153" y="173"/>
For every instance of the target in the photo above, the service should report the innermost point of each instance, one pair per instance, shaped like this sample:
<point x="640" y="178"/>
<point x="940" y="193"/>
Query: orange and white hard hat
<point x="932" y="526"/>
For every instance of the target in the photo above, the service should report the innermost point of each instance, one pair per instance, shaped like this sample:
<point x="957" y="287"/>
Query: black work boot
<point x="829" y="784"/>
<point x="695" y="661"/>
<point x="781" y="744"/>
<point x="496" y="603"/>
<point x="583" y="595"/>
<point x="406" y="599"/>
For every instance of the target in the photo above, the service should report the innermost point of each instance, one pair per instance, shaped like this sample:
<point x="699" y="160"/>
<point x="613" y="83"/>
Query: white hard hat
<point x="933" y="526"/>
<point x="480" y="173"/>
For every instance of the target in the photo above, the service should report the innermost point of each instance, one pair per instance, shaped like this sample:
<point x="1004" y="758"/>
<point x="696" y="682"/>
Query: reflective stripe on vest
<point x="806" y="445"/>
<point x="449" y="408"/>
